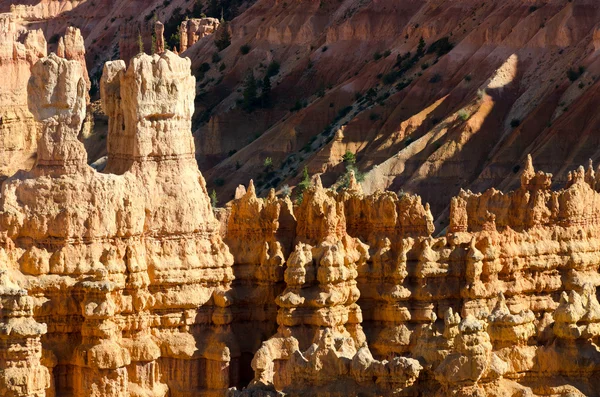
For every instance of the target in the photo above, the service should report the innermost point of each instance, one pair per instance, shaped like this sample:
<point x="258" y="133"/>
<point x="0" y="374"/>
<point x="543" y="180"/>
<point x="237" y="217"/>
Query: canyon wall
<point x="129" y="283"/>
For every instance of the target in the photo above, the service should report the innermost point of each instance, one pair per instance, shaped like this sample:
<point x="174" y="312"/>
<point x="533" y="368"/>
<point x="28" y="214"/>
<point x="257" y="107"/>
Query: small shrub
<point x="441" y="47"/>
<point x="273" y="68"/>
<point x="213" y="199"/>
<point x="573" y="74"/>
<point x="268" y="163"/>
<point x="514" y="123"/>
<point x="403" y="84"/>
<point x="304" y="184"/>
<point x="297" y="106"/>
<point x="468" y="78"/>
<point x="219" y="182"/>
<point x="374" y="116"/>
<point x="286" y="191"/>
<point x="377" y="56"/>
<point x="245" y="49"/>
<point x="463" y="115"/>
<point x="349" y="157"/>
<point x="436" y="78"/>
<point x="324" y="49"/>
<point x="389" y="78"/>
<point x="343" y="112"/>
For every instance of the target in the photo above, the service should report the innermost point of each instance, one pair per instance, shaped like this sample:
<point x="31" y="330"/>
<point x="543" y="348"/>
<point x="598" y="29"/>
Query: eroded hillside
<point x="493" y="82"/>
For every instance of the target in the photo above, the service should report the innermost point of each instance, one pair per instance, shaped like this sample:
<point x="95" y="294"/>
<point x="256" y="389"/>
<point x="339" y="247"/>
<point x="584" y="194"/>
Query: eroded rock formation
<point x="21" y="51"/>
<point x="194" y="29"/>
<point x="125" y="283"/>
<point x="136" y="281"/>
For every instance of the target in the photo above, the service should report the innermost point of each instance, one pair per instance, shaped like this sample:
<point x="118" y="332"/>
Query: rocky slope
<point x="493" y="82"/>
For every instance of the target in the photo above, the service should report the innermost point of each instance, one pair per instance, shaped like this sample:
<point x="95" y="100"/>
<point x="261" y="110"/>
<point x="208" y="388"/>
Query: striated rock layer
<point x="126" y="283"/>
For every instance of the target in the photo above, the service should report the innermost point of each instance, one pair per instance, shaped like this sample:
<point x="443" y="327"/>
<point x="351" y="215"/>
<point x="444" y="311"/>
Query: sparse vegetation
<point x="298" y="106"/>
<point x="303" y="185"/>
<point x="441" y="47"/>
<point x="463" y="115"/>
<point x="349" y="159"/>
<point x="213" y="199"/>
<point x="273" y="68"/>
<point x="573" y="74"/>
<point x="245" y="49"/>
<point x="223" y="40"/>
<point x="250" y="92"/>
<point x="268" y="163"/>
<point x="436" y="78"/>
<point x="514" y="123"/>
<point x="140" y="43"/>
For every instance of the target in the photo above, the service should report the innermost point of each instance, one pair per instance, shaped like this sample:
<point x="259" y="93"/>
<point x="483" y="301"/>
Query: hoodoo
<point x="126" y="281"/>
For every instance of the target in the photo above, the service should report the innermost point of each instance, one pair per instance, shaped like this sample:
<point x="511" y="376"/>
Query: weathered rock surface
<point x="132" y="273"/>
<point x="125" y="283"/>
<point x="19" y="51"/>
<point x="22" y="50"/>
<point x="194" y="29"/>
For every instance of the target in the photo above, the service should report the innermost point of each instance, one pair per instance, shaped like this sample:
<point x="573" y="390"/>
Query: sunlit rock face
<point x="129" y="273"/>
<point x="19" y="51"/>
<point x="126" y="283"/>
<point x="23" y="116"/>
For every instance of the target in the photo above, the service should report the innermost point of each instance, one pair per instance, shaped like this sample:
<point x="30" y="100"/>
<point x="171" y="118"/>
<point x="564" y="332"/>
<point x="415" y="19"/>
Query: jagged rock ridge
<point x="125" y="283"/>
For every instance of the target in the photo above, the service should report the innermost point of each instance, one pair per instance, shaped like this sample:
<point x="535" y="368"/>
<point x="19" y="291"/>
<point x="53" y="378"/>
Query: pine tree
<point x="303" y="185"/>
<point x="140" y="42"/>
<point x="213" y="199"/>
<point x="224" y="39"/>
<point x="250" y="91"/>
<point x="265" y="96"/>
<point x="213" y="9"/>
<point x="421" y="48"/>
